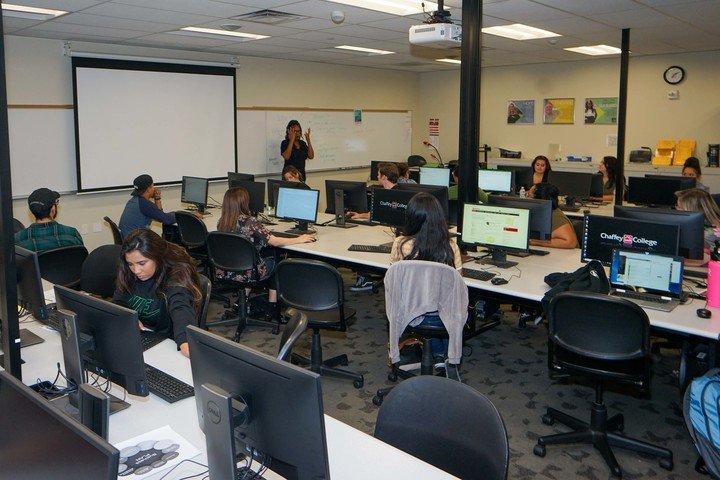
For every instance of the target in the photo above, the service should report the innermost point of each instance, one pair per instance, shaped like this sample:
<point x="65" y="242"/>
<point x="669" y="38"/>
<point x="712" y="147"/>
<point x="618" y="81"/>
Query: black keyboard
<point x="280" y="234"/>
<point x="645" y="297"/>
<point x="165" y="386"/>
<point x="538" y="252"/>
<point x="565" y="208"/>
<point x="695" y="273"/>
<point x="370" y="248"/>
<point x="150" y="339"/>
<point x="482" y="275"/>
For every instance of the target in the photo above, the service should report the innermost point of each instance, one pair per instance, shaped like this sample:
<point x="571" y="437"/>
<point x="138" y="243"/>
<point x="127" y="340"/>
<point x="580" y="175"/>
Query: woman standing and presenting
<point x="293" y="150"/>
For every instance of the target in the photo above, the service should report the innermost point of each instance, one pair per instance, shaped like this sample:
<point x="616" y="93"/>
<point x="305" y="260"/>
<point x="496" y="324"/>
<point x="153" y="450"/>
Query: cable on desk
<point x="188" y="477"/>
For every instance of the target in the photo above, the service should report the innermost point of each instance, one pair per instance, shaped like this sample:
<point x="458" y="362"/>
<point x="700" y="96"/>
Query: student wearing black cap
<point x="144" y="206"/>
<point x="46" y="233"/>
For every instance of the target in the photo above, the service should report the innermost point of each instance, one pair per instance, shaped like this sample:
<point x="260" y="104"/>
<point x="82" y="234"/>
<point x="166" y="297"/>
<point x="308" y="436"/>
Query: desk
<point x="352" y="454"/>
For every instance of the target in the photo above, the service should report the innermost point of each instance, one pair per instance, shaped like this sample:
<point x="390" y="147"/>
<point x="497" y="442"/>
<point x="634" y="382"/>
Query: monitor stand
<point x="301" y="228"/>
<point x="340" y="211"/>
<point x="69" y="404"/>
<point x="498" y="258"/>
<point x="28" y="338"/>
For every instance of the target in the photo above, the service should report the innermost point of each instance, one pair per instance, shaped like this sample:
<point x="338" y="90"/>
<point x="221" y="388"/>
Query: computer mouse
<point x="498" y="281"/>
<point x="704" y="313"/>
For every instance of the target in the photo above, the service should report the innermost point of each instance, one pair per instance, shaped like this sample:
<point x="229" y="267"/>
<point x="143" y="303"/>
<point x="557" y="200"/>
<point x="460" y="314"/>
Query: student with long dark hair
<point x="540" y="168"/>
<point x="608" y="167"/>
<point x="563" y="233"/>
<point x="158" y="279"/>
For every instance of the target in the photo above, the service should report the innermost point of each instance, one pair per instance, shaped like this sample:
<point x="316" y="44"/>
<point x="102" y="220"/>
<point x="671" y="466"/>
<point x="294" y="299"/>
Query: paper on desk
<point x="150" y="453"/>
<point x="50" y="295"/>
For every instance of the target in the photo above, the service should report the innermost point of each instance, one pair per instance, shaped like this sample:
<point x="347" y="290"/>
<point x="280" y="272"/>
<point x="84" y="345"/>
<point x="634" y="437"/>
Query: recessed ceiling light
<point x="367" y="51"/>
<point x="449" y="60"/>
<point x="595" y="50"/>
<point x="32" y="13"/>
<point x="395" y="7"/>
<point x="213" y="33"/>
<point x="518" y="31"/>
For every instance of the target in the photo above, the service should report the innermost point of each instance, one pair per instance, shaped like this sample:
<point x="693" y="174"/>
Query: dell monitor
<point x="39" y="441"/>
<point x="354" y="195"/>
<point x="685" y="182"/>
<point x="110" y="340"/>
<point x="692" y="226"/>
<point x="299" y="205"/>
<point x="501" y="230"/>
<point x="657" y="191"/>
<point x="540" y="213"/>
<point x="195" y="192"/>
<point x="374" y="164"/>
<point x="435" y="176"/>
<point x="522" y="176"/>
<point x="602" y="235"/>
<point x="239" y="177"/>
<point x="274" y="185"/>
<point x="251" y="404"/>
<point x="597" y="186"/>
<point x="495" y="180"/>
<point x="441" y="193"/>
<point x="388" y="207"/>
<point x="256" y="194"/>
<point x="571" y="185"/>
<point x="30" y="290"/>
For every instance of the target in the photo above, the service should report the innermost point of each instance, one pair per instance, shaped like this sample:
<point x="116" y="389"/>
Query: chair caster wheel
<point x="392" y="376"/>
<point x="359" y="383"/>
<point x="667" y="464"/>
<point x="377" y="401"/>
<point x="275" y="330"/>
<point x="548" y="420"/>
<point x="539" y="450"/>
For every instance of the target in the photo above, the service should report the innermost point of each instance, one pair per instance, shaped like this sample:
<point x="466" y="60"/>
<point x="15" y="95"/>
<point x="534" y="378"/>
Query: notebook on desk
<point x="650" y="280"/>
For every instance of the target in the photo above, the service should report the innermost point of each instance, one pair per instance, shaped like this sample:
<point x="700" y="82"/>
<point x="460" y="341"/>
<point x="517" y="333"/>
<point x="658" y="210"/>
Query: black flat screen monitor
<point x="242" y="177"/>
<point x="571" y="184"/>
<point x="601" y="235"/>
<point x="522" y="176"/>
<point x="274" y="185"/>
<point x="441" y="193"/>
<point x="500" y="181"/>
<point x="30" y="290"/>
<point x="282" y="404"/>
<point x="39" y="441"/>
<point x="657" y="190"/>
<point x="354" y="195"/>
<point x="540" y="213"/>
<point x="500" y="229"/>
<point x="299" y="205"/>
<point x="692" y="226"/>
<point x="597" y="186"/>
<point x="374" y="168"/>
<point x="113" y="349"/>
<point x="435" y="176"/>
<point x="256" y="193"/>
<point x="195" y="192"/>
<point x="388" y="207"/>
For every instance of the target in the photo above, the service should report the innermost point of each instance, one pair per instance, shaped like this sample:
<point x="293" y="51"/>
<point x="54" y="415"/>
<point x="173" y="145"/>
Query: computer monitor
<point x="441" y="193"/>
<point x="692" y="226"/>
<point x="29" y="284"/>
<point x="495" y="180"/>
<point x="195" y="192"/>
<point x="597" y="186"/>
<point x="657" y="190"/>
<point x="374" y="168"/>
<point x="274" y="185"/>
<point x="497" y="228"/>
<point x="540" y="213"/>
<point x="256" y="193"/>
<point x="110" y="339"/>
<point x="572" y="185"/>
<point x="388" y="207"/>
<point x="602" y="234"/>
<point x="354" y="195"/>
<point x="40" y="441"/>
<point x="685" y="182"/>
<point x="299" y="205"/>
<point x="276" y="407"/>
<point x="522" y="176"/>
<point x="435" y="176"/>
<point x="239" y="177"/>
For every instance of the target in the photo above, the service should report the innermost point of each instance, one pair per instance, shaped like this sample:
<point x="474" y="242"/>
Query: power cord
<point x="190" y="476"/>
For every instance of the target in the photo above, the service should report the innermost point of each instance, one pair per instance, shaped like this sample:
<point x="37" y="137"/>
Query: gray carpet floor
<point x="509" y="365"/>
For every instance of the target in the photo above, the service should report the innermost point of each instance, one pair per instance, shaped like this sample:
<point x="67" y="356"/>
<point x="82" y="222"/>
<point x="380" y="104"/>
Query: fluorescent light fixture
<point x="595" y="50"/>
<point x="448" y="60"/>
<point x="394" y="7"/>
<point x="368" y="51"/>
<point x="31" y="13"/>
<point x="213" y="33"/>
<point x="518" y="31"/>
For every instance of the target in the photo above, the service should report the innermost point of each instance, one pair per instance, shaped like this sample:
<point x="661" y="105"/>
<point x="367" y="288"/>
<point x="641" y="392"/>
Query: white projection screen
<point x="166" y="120"/>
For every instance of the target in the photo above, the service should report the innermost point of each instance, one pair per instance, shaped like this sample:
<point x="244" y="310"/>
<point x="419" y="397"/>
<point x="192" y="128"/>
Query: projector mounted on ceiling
<point x="437" y="31"/>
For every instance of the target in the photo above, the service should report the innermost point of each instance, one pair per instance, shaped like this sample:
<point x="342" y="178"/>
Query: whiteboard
<point x="339" y="142"/>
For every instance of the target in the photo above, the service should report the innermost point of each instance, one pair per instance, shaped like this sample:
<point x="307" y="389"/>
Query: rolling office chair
<point x="293" y="330"/>
<point x="322" y="300"/>
<point x="17" y="225"/>
<point x="205" y="289"/>
<point x="446" y="424"/>
<point x="63" y="266"/>
<point x="117" y="236"/>
<point x="99" y="270"/>
<point x="608" y="340"/>
<point x="416" y="161"/>
<point x="231" y="252"/>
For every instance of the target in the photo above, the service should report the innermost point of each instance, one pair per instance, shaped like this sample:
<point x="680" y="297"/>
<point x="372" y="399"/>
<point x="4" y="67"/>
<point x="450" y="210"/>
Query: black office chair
<point x="117" y="236"/>
<point x="17" y="225"/>
<point x="446" y="424"/>
<point x="578" y="225"/>
<point x="316" y="289"/>
<point x="453" y="207"/>
<point x="205" y="289"/>
<point x="602" y="338"/>
<point x="233" y="253"/>
<point x="295" y="327"/>
<point x="193" y="235"/>
<point x="416" y="161"/>
<point x="63" y="266"/>
<point x="99" y="270"/>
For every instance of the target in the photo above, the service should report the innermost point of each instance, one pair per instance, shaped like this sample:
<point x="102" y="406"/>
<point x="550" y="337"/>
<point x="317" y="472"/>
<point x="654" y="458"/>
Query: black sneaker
<point x="362" y="284"/>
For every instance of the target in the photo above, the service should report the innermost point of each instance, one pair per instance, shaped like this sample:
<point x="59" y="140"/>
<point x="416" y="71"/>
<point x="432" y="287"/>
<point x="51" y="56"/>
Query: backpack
<point x="588" y="278"/>
<point x="701" y="413"/>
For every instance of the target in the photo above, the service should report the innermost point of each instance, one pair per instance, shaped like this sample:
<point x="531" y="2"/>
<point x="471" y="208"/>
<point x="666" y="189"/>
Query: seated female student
<point x="608" y="167"/>
<point x="697" y="200"/>
<point x="292" y="174"/>
<point x="158" y="279"/>
<point x="563" y="233"/>
<point x="235" y="217"/>
<point x="691" y="168"/>
<point x="426" y="237"/>
<point x="540" y="167"/>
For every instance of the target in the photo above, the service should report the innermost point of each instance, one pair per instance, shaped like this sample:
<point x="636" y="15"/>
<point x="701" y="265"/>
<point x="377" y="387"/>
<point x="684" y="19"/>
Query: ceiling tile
<point x="199" y="7"/>
<point x="112" y="22"/>
<point x="131" y="12"/>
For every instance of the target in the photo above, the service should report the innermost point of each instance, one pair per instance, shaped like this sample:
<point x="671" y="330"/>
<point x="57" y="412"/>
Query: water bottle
<point x="713" y="278"/>
<point x="522" y="192"/>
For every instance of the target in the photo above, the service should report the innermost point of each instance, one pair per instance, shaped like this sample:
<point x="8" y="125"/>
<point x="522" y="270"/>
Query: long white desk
<point x="352" y="454"/>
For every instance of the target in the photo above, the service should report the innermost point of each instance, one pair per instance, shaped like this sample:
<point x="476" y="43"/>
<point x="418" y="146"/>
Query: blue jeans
<point x="439" y="346"/>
